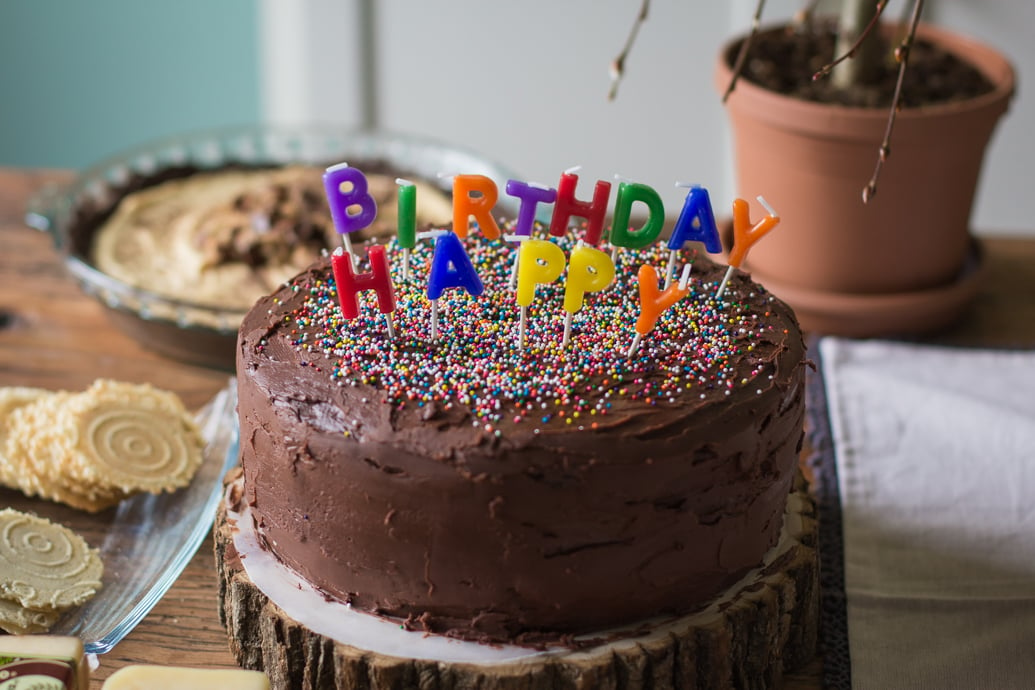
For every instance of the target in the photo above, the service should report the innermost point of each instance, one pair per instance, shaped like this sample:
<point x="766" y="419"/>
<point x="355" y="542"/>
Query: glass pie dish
<point x="147" y="540"/>
<point x="205" y="332"/>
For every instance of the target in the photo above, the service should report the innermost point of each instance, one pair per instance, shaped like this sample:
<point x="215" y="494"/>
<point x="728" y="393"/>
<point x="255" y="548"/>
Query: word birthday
<point x="536" y="261"/>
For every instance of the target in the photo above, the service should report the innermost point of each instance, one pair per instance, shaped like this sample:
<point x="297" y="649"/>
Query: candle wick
<point x="634" y="346"/>
<point x="670" y="267"/>
<point x="521" y="327"/>
<point x="685" y="278"/>
<point x="767" y="207"/>
<point x="725" y="279"/>
<point x="572" y="170"/>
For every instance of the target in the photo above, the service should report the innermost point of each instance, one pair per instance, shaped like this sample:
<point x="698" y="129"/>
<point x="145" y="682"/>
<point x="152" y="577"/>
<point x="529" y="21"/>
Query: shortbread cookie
<point x="15" y="619"/>
<point x="43" y="565"/>
<point x="129" y="437"/>
<point x="12" y="398"/>
<point x="92" y="449"/>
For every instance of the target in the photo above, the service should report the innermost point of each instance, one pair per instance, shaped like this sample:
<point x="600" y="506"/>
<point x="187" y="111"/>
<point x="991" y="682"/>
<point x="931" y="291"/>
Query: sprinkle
<point x="699" y="345"/>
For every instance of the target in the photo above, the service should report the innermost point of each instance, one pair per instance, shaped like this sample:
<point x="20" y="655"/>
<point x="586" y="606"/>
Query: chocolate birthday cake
<point x="498" y="488"/>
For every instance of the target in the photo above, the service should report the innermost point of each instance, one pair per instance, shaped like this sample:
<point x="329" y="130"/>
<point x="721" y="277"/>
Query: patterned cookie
<point x="11" y="399"/>
<point x="130" y="437"/>
<point x="15" y="619"/>
<point x="92" y="449"/>
<point x="45" y="566"/>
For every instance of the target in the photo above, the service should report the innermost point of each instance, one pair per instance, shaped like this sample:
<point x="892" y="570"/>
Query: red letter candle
<point x="350" y="283"/>
<point x="567" y="206"/>
<point x="474" y="195"/>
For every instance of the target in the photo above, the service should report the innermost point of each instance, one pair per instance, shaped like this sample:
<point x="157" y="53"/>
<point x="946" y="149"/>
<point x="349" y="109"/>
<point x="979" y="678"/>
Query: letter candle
<point x="566" y="206"/>
<point x="654" y="302"/>
<point x="346" y="188"/>
<point x="745" y="235"/>
<point x="589" y="270"/>
<point x="474" y="195"/>
<point x="406" y="231"/>
<point x="696" y="223"/>
<point x="450" y="268"/>
<point x="350" y="283"/>
<point x="541" y="261"/>
<point x="530" y="194"/>
<point x="621" y="234"/>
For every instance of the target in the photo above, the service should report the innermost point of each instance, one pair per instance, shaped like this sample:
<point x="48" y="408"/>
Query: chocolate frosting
<point x="517" y="531"/>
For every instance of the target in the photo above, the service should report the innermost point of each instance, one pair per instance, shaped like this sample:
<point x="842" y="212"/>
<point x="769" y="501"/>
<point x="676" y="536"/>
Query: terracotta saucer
<point x="884" y="314"/>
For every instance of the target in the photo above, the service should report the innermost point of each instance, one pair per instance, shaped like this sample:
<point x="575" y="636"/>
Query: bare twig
<point x="738" y="64"/>
<point x="874" y="21"/>
<point x="805" y="16"/>
<point x="618" y="64"/>
<point x="902" y="56"/>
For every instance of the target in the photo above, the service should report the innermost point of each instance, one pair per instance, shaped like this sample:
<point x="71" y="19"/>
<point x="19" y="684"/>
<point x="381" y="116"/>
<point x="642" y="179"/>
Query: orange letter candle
<point x="474" y="195"/>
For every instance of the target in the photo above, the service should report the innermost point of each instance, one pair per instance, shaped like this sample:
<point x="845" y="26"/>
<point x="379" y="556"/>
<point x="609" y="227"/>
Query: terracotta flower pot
<point x="904" y="262"/>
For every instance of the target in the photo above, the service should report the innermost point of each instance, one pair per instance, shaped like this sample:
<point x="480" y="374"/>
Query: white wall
<point x="526" y="84"/>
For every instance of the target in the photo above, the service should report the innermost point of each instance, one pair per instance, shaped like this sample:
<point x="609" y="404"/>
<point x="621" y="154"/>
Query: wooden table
<point x="53" y="336"/>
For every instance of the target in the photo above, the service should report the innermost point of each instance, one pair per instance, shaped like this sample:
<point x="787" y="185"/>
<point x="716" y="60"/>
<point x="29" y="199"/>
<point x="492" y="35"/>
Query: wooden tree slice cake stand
<point x="745" y="638"/>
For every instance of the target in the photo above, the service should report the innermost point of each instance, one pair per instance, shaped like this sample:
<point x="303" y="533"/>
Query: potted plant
<point x="870" y="243"/>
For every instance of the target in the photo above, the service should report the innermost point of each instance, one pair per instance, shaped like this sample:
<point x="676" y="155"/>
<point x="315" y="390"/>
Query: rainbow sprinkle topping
<point x="476" y="360"/>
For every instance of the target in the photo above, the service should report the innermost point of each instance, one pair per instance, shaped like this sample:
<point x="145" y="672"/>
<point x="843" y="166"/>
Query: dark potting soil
<point x="784" y="60"/>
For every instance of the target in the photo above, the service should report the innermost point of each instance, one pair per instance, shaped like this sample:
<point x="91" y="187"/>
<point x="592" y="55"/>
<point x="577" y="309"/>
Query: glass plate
<point x="146" y="541"/>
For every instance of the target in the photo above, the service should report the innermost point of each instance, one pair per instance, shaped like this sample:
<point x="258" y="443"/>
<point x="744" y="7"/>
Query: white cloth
<point x="935" y="452"/>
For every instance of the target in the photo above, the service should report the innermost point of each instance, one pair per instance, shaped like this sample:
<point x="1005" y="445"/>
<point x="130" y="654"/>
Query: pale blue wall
<point x="80" y="80"/>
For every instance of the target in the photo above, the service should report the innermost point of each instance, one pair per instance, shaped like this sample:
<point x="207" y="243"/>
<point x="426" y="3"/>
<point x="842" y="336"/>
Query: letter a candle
<point x="450" y="268"/>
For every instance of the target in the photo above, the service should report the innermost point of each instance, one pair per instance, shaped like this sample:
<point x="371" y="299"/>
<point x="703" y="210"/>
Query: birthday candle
<point x="352" y="207"/>
<point x="628" y="194"/>
<point x="654" y="302"/>
<point x="745" y="235"/>
<point x="450" y="268"/>
<point x="350" y="284"/>
<point x="474" y="195"/>
<point x="541" y="262"/>
<point x="696" y="223"/>
<point x="406" y="231"/>
<point x="566" y="206"/>
<point x="531" y="195"/>
<point x="589" y="270"/>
